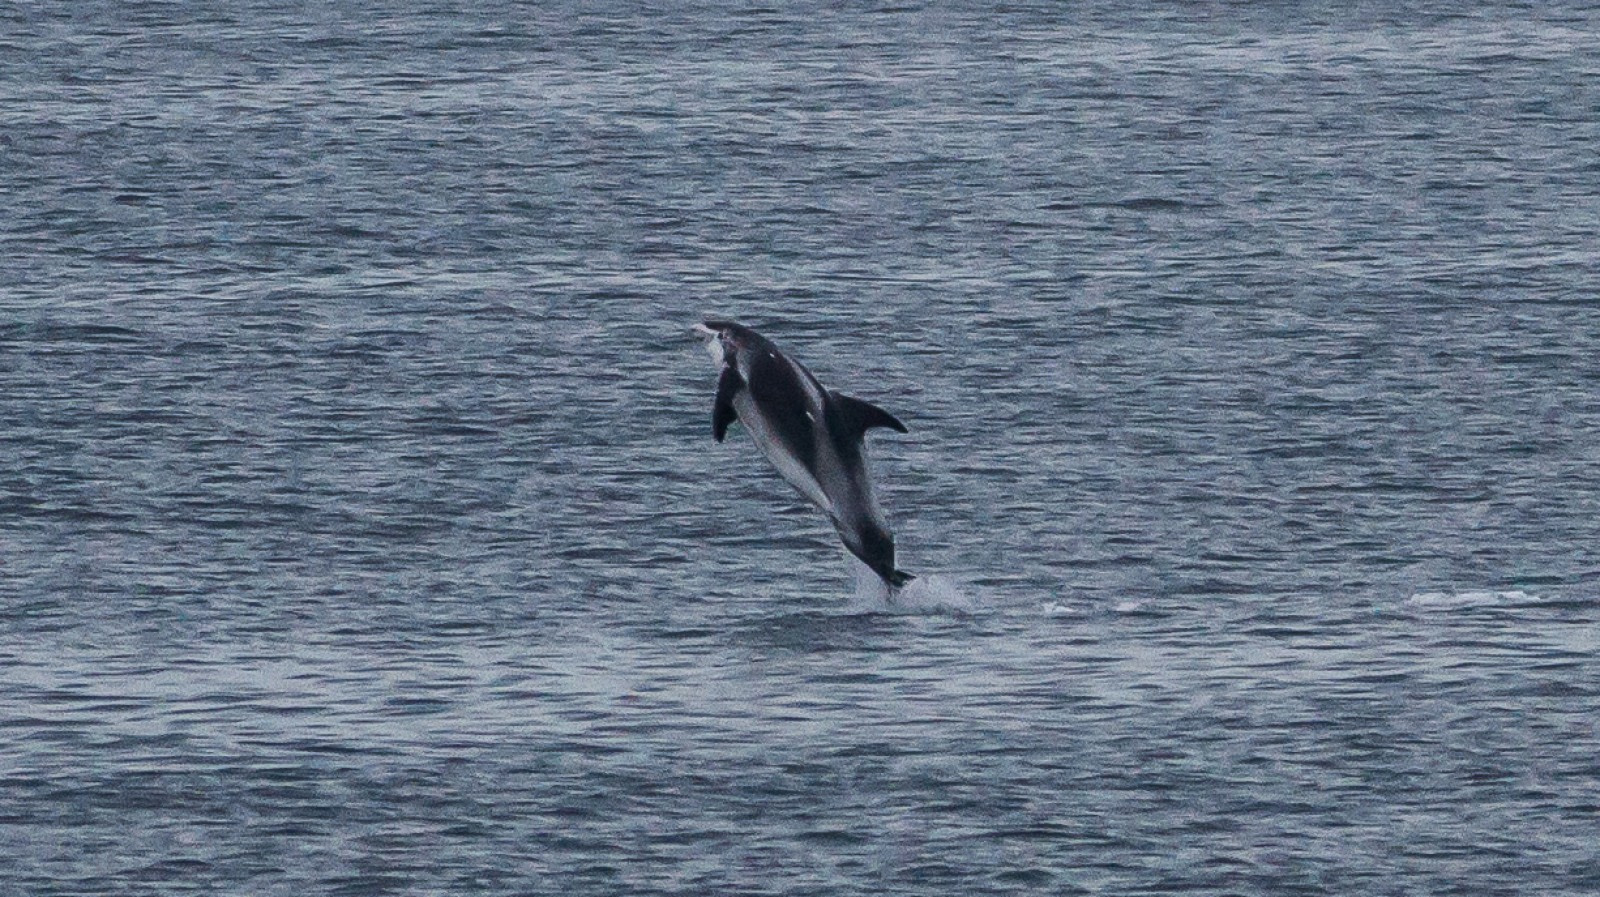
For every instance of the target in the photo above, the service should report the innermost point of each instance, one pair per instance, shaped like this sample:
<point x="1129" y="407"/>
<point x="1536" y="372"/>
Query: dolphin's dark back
<point x="776" y="386"/>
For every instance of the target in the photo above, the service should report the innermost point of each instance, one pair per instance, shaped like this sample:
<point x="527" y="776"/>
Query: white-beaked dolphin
<point x="814" y="436"/>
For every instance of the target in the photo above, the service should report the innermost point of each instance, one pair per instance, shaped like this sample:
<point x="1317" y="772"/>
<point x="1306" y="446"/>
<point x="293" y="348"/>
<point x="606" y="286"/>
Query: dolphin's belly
<point x="764" y="434"/>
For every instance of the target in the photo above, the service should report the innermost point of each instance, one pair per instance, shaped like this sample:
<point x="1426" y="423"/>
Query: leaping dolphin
<point x="814" y="436"/>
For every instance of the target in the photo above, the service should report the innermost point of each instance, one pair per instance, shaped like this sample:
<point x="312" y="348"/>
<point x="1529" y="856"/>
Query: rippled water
<point x="361" y="531"/>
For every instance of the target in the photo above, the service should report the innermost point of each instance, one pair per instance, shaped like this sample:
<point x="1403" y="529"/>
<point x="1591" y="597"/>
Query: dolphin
<point x="814" y="436"/>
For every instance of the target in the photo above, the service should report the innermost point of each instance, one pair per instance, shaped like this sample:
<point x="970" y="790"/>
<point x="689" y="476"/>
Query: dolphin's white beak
<point x="713" y="344"/>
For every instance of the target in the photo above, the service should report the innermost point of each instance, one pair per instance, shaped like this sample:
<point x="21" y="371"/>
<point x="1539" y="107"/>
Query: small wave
<point x="1471" y="598"/>
<point x="1132" y="605"/>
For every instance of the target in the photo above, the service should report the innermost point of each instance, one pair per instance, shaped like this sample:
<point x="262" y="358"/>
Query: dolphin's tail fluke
<point x="899" y="578"/>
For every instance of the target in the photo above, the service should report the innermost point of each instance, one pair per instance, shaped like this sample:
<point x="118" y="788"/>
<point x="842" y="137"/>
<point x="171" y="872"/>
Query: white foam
<point x="1471" y="598"/>
<point x="929" y="593"/>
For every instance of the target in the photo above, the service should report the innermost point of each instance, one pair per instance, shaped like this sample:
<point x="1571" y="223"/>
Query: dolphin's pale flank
<point x="814" y="436"/>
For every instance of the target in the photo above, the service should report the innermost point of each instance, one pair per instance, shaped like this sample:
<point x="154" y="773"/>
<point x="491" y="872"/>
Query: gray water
<point x="361" y="531"/>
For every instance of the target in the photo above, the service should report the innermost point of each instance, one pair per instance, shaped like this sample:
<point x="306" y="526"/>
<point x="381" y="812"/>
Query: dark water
<point x="361" y="531"/>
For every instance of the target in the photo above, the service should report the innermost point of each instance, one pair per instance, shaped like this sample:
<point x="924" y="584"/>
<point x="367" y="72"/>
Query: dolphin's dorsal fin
<point x="722" y="413"/>
<point x="860" y="415"/>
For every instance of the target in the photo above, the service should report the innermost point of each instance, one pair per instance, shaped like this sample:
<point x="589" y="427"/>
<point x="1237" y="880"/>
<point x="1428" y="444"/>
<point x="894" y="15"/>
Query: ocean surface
<point x="362" y="533"/>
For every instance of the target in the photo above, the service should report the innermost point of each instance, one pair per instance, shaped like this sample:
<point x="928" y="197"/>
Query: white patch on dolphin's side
<point x="814" y="396"/>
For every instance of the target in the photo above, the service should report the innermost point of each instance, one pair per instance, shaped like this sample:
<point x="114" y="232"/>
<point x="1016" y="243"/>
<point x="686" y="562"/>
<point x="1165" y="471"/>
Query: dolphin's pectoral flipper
<point x="860" y="415"/>
<point x="722" y="413"/>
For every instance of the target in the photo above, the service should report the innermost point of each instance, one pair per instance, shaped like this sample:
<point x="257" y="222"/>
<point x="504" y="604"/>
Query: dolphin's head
<point x="723" y="339"/>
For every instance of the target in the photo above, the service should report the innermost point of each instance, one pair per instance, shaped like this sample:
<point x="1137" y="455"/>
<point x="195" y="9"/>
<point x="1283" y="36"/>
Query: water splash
<point x="929" y="593"/>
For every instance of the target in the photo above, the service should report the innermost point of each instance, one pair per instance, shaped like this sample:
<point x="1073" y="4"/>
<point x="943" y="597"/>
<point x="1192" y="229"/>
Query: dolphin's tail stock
<point x="899" y="578"/>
